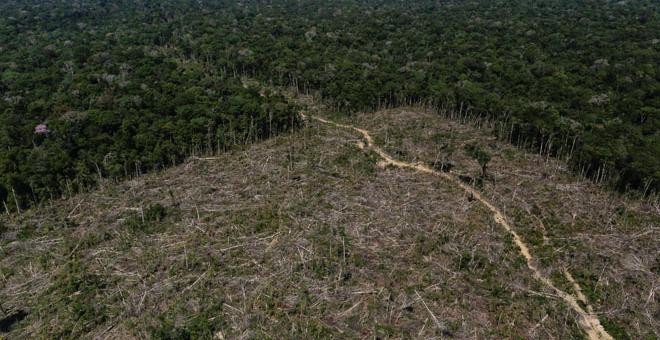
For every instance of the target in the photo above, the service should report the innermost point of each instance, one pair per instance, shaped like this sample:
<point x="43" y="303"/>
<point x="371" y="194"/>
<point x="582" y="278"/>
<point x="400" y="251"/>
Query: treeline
<point x="128" y="82"/>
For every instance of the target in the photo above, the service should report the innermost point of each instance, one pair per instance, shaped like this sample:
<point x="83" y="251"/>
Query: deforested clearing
<point x="305" y="235"/>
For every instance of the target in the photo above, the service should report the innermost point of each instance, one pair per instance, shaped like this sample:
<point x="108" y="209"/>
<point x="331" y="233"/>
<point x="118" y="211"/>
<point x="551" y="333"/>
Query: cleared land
<point x="306" y="236"/>
<point x="588" y="320"/>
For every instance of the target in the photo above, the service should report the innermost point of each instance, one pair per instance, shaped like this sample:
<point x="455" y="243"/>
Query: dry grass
<point x="304" y="236"/>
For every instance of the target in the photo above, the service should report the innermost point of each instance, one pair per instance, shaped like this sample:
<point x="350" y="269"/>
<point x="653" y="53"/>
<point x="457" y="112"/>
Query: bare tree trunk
<point x="16" y="200"/>
<point x="98" y="170"/>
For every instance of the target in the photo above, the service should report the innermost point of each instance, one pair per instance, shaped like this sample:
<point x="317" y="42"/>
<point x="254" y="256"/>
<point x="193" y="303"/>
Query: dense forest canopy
<point x="127" y="86"/>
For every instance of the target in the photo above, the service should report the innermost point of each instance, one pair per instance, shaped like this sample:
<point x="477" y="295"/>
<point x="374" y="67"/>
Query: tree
<point x="480" y="155"/>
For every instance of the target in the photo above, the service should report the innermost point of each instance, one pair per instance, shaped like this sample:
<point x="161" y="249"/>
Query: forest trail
<point x="587" y="319"/>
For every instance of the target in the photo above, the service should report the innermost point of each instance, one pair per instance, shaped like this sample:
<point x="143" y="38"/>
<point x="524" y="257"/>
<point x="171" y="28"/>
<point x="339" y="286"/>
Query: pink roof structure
<point x="41" y="129"/>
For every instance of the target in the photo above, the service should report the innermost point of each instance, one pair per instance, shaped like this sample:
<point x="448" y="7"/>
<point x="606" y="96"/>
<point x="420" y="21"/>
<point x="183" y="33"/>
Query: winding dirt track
<point x="587" y="319"/>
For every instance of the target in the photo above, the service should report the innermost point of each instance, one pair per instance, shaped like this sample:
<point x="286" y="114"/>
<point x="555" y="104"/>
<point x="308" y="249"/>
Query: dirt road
<point x="587" y="319"/>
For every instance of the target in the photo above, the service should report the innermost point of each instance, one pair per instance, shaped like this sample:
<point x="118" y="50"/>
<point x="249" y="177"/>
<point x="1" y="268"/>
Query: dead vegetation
<point x="570" y="222"/>
<point x="304" y="236"/>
